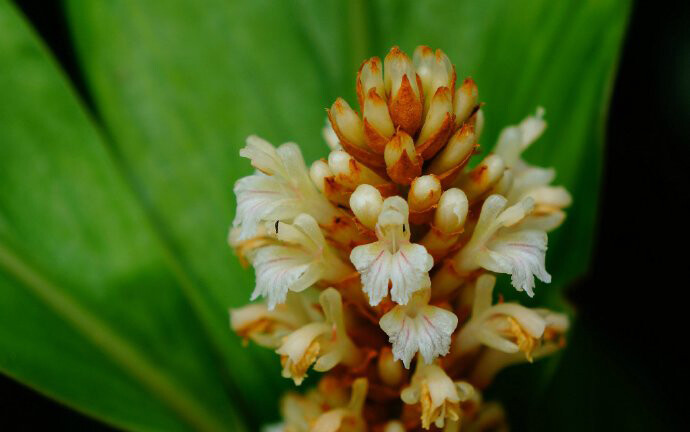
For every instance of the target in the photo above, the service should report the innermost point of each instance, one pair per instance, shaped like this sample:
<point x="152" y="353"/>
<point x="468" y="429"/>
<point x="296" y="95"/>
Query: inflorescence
<point x="375" y="264"/>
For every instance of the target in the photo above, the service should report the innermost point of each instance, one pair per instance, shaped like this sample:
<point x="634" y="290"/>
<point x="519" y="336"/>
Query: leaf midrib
<point x="128" y="358"/>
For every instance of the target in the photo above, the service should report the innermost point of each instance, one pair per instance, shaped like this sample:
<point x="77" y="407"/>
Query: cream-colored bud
<point x="435" y="70"/>
<point x="370" y="76"/>
<point x="351" y="173"/>
<point x="551" y="196"/>
<point x="348" y="123"/>
<point x="485" y="175"/>
<point x="424" y="193"/>
<point x="438" y="123"/>
<point x="466" y="98"/>
<point x="404" y="95"/>
<point x="451" y="211"/>
<point x="394" y="426"/>
<point x="391" y="371"/>
<point x="378" y="126"/>
<point x="402" y="162"/>
<point x="397" y="65"/>
<point x="457" y="151"/>
<point x="479" y="123"/>
<point x="318" y="172"/>
<point x="366" y="203"/>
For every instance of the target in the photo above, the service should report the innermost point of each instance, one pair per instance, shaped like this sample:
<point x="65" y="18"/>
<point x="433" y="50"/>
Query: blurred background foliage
<point x="117" y="160"/>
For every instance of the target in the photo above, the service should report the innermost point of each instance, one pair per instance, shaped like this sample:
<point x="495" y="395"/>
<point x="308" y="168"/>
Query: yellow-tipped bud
<point x="458" y="150"/>
<point x="425" y="192"/>
<point x="391" y="371"/>
<point x="466" y="98"/>
<point x="451" y="212"/>
<point x="366" y="203"/>
<point x="404" y="95"/>
<point x="402" y="162"/>
<point x="485" y="175"/>
<point x="351" y="173"/>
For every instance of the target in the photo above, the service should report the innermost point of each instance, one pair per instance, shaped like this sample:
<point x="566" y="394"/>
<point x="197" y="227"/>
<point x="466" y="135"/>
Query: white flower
<point x="514" y="140"/>
<point x="268" y="327"/>
<point x="437" y="394"/>
<point x="324" y="343"/>
<point x="345" y="419"/>
<point x="301" y="259"/>
<point x="502" y="245"/>
<point x="392" y="259"/>
<point x="300" y="410"/>
<point x="330" y="136"/>
<point x="421" y="327"/>
<point x="529" y="180"/>
<point x="506" y="327"/>
<point x="280" y="190"/>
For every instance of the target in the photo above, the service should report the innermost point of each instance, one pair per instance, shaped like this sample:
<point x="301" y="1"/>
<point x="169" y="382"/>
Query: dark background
<point x="633" y="308"/>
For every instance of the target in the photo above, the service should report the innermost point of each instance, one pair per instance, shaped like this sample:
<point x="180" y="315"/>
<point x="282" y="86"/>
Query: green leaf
<point x="90" y="313"/>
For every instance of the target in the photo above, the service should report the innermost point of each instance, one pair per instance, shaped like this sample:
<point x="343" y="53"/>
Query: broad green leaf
<point x="90" y="312"/>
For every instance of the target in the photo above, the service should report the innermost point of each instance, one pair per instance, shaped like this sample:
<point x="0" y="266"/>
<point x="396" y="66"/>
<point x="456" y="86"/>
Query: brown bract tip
<point x="406" y="107"/>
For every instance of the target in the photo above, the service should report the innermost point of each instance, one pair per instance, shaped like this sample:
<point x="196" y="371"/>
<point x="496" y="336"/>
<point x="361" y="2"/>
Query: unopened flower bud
<point x="451" y="211"/>
<point x="479" y="123"/>
<point x="370" y="76"/>
<point x="402" y="162"/>
<point x="482" y="177"/>
<point x="351" y="173"/>
<point x="346" y="123"/>
<point x="448" y="222"/>
<point x="366" y="203"/>
<point x="465" y="100"/>
<point x="330" y="136"/>
<point x="435" y="70"/>
<point x="505" y="184"/>
<point x="318" y="172"/>
<point x="556" y="197"/>
<point x="425" y="192"/>
<point x="391" y="371"/>
<point x="458" y="151"/>
<point x="394" y="426"/>
<point x="378" y="126"/>
<point x="437" y="125"/>
<point x="404" y="95"/>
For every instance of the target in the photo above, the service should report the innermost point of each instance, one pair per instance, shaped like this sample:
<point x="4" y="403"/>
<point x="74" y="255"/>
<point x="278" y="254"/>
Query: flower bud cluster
<point x="375" y="263"/>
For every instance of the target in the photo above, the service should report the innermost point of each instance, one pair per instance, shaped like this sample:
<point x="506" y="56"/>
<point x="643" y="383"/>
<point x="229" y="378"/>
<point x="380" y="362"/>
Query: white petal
<point x="373" y="262"/>
<point x="543" y="222"/>
<point x="283" y="268"/>
<point x="263" y="156"/>
<point x="428" y="332"/>
<point x="520" y="253"/>
<point x="261" y="198"/>
<point x="532" y="128"/>
<point x="409" y="271"/>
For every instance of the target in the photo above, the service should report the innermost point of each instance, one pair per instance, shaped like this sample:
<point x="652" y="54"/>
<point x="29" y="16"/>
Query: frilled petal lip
<point x="520" y="253"/>
<point x="280" y="269"/>
<point x="428" y="332"/>
<point x="407" y="270"/>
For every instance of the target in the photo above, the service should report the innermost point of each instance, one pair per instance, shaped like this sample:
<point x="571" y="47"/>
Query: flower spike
<point x="375" y="266"/>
